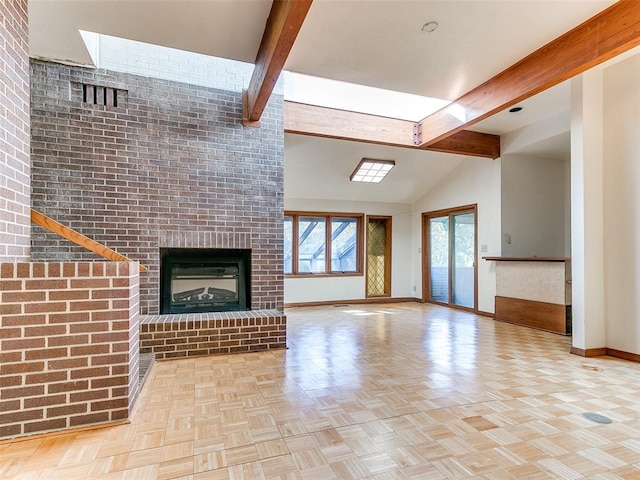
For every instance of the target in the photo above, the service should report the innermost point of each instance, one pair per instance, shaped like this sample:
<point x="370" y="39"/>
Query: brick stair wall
<point x="69" y="343"/>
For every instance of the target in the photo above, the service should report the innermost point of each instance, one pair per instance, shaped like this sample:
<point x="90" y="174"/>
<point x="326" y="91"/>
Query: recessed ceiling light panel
<point x="371" y="171"/>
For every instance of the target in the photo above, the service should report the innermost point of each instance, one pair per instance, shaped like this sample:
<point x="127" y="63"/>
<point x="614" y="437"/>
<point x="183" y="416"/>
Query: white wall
<point x="622" y="205"/>
<point x="155" y="61"/>
<point x="567" y="207"/>
<point x="587" y="216"/>
<point x="475" y="180"/>
<point x="533" y="206"/>
<point x="300" y="290"/>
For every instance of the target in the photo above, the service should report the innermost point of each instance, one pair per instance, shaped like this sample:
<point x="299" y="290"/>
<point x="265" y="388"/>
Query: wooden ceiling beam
<point x="602" y="37"/>
<point x="468" y="142"/>
<point x="326" y="122"/>
<point x="303" y="119"/>
<point x="284" y="23"/>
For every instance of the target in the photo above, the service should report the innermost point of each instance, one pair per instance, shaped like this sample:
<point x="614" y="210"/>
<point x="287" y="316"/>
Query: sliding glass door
<point x="449" y="257"/>
<point x="463" y="255"/>
<point x="439" y="259"/>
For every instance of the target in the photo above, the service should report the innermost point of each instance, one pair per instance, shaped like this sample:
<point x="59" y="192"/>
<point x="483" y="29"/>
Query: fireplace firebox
<point x="195" y="280"/>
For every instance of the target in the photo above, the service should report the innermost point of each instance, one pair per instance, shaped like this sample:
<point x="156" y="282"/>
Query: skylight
<point x="139" y="58"/>
<point x="323" y="92"/>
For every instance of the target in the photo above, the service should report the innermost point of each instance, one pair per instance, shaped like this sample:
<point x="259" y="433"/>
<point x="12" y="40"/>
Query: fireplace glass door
<point x="192" y="285"/>
<point x="203" y="286"/>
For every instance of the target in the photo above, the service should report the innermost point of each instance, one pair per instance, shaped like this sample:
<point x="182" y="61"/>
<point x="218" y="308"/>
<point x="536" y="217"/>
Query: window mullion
<point x="327" y="249"/>
<point x="296" y="240"/>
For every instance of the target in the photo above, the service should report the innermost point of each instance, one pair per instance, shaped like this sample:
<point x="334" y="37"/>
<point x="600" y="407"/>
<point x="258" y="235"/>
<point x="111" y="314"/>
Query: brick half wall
<point x="190" y="335"/>
<point x="69" y="345"/>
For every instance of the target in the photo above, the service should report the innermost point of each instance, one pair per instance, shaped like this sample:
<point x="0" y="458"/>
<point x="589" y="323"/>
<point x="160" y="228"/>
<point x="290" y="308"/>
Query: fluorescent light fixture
<point x="371" y="171"/>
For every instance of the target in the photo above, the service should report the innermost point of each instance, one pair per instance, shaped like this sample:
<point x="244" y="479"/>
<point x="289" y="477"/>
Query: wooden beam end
<point x="246" y="120"/>
<point x="467" y="142"/>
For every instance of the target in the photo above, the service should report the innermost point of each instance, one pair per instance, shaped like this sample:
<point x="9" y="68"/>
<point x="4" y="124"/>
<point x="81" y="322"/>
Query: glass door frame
<point x="426" y="256"/>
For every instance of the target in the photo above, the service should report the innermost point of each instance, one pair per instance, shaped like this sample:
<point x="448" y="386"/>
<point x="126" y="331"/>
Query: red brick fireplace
<point x="171" y="167"/>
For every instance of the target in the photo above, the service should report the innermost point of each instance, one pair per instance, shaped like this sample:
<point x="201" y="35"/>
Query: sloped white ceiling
<point x="320" y="168"/>
<point x="381" y="43"/>
<point x="223" y="28"/>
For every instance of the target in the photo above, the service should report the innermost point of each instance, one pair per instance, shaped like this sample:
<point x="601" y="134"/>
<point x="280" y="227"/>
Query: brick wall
<point x="170" y="167"/>
<point x="14" y="132"/>
<point x="68" y="345"/>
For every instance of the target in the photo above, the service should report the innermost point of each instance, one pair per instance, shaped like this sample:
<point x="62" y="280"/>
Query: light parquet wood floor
<point x="398" y="391"/>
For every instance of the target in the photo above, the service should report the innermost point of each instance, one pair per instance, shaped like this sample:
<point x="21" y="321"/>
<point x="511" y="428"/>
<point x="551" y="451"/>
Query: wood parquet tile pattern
<point x="398" y="391"/>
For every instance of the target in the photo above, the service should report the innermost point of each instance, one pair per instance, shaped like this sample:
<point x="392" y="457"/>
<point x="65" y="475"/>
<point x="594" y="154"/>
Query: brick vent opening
<point x="107" y="96"/>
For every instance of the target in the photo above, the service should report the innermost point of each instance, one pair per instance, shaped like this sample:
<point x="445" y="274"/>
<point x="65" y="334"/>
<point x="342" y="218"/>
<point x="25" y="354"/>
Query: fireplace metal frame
<point x="198" y="258"/>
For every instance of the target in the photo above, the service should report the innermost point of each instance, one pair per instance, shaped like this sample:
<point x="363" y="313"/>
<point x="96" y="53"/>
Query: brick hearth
<point x="189" y="335"/>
